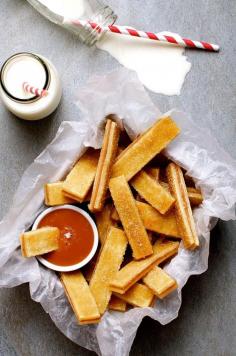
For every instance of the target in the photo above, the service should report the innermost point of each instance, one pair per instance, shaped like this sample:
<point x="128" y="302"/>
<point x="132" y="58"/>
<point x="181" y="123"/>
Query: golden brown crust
<point x="117" y="304"/>
<point x="73" y="197"/>
<point x="153" y="220"/>
<point x="152" y="192"/>
<point x="53" y="195"/>
<point x="105" y="163"/>
<point x="40" y="241"/>
<point x="46" y="193"/>
<point x="81" y="177"/>
<point x="156" y="222"/>
<point x="104" y="222"/>
<point x="115" y="215"/>
<point x="183" y="210"/>
<point x="144" y="148"/>
<point x="160" y="282"/>
<point x="108" y="264"/>
<point x="23" y="252"/>
<point x="168" y="291"/>
<point x="153" y="172"/>
<point x="130" y="218"/>
<point x="135" y="270"/>
<point x="88" y="269"/>
<point x="138" y="295"/>
<point x="91" y="321"/>
<point x="194" y="195"/>
<point x="80" y="297"/>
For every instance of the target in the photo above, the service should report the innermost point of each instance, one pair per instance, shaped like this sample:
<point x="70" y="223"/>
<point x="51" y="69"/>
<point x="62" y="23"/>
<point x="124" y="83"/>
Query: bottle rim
<point x="47" y="76"/>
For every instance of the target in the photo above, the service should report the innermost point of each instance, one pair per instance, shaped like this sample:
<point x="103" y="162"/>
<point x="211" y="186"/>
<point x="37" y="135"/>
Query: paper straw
<point x="33" y="90"/>
<point x="173" y="38"/>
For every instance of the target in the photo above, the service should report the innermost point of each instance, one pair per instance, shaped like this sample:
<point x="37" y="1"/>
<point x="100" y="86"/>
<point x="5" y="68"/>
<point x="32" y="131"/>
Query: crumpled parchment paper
<point x="195" y="149"/>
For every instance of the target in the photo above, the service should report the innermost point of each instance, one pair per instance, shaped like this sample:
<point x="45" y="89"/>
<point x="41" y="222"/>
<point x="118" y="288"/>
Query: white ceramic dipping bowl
<point x="95" y="239"/>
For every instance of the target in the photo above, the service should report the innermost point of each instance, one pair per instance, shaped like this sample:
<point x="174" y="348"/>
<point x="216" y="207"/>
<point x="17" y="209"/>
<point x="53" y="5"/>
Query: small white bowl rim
<point x="95" y="240"/>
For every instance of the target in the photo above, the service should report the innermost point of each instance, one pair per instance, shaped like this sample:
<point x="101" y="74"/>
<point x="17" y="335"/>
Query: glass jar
<point x="40" y="73"/>
<point x="66" y="12"/>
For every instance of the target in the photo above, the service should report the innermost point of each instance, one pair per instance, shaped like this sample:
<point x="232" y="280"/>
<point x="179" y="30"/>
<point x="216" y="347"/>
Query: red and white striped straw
<point x="173" y="38"/>
<point x="33" y="90"/>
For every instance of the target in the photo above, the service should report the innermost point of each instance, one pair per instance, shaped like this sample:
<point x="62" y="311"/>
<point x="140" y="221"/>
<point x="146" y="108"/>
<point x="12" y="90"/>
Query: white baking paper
<point x="195" y="149"/>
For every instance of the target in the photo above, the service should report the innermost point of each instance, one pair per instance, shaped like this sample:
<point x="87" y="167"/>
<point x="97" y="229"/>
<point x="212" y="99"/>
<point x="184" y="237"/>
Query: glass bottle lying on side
<point x="66" y="13"/>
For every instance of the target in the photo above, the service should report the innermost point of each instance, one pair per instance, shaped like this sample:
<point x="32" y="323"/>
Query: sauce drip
<point x="76" y="237"/>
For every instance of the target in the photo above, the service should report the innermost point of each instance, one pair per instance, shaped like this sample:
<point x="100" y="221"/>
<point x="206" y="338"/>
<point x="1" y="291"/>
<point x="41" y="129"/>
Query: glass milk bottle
<point x="66" y="13"/>
<point x="30" y="86"/>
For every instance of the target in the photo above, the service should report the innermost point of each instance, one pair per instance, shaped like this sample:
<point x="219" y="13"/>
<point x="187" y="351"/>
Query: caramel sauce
<point x="76" y="237"/>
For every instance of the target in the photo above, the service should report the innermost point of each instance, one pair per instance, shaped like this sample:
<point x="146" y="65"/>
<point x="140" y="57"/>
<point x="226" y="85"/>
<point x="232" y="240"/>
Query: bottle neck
<point x="89" y="34"/>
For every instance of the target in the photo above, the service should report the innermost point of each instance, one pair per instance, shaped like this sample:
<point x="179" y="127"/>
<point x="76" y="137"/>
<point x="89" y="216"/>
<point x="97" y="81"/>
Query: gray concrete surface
<point x="207" y="320"/>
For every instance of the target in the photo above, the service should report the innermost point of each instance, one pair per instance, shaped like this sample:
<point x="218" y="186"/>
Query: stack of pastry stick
<point x="142" y="213"/>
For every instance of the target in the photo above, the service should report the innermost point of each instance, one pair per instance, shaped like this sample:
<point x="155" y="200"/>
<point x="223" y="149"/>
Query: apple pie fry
<point x="152" y="192"/>
<point x="139" y="296"/>
<point x="135" y="270"/>
<point x="130" y="218"/>
<point x="81" y="177"/>
<point x="53" y="195"/>
<point x="104" y="222"/>
<point x="40" y="241"/>
<point x="80" y="297"/>
<point x="144" y="148"/>
<point x="105" y="163"/>
<point x="117" y="304"/>
<point x="153" y="172"/>
<point x="154" y="221"/>
<point x="108" y="264"/>
<point x="183" y="209"/>
<point x="160" y="282"/>
<point x="88" y="269"/>
<point x="194" y="195"/>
